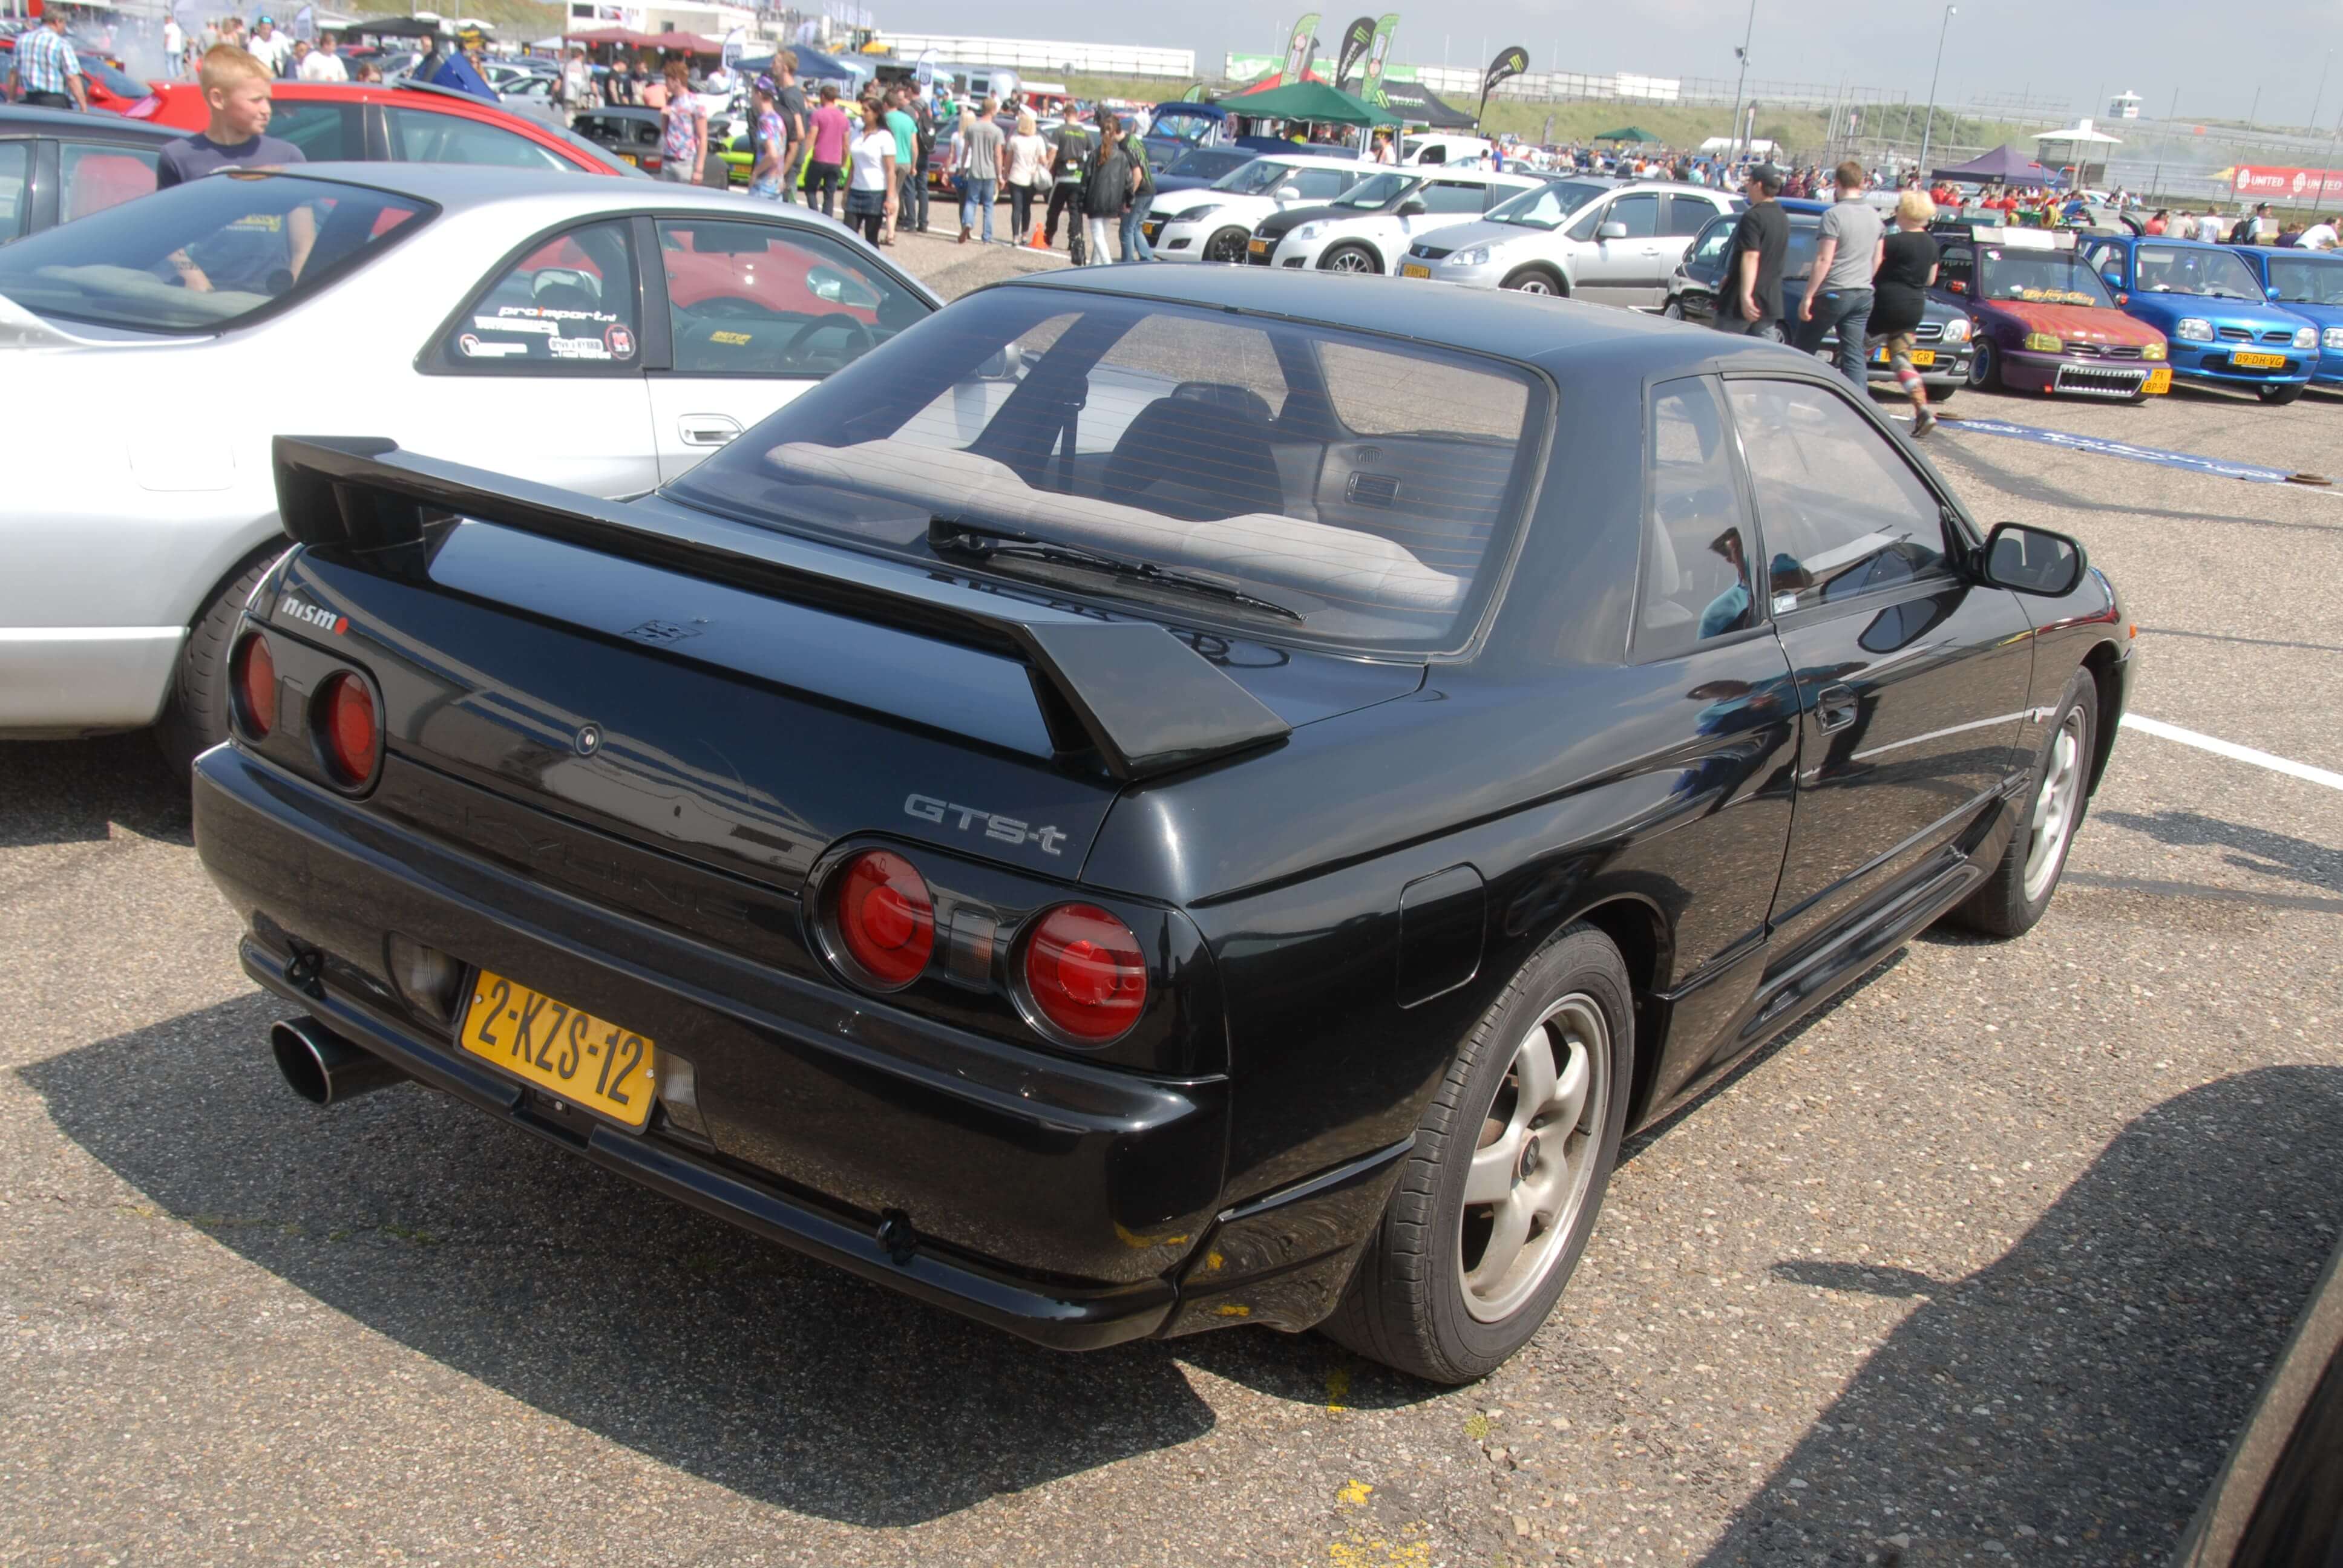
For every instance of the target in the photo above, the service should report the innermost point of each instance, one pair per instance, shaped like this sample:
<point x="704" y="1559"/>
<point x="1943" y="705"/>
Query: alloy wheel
<point x="1535" y="1160"/>
<point x="2051" y="823"/>
<point x="1350" y="259"/>
<point x="1534" y="283"/>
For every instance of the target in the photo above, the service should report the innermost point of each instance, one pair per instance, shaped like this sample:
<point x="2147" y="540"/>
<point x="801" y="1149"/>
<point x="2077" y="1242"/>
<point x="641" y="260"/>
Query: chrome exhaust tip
<point x="322" y="1066"/>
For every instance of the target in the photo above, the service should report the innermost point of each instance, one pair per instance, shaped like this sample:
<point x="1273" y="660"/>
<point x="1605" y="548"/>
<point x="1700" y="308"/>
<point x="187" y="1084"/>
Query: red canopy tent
<point x="688" y="43"/>
<point x="597" y="36"/>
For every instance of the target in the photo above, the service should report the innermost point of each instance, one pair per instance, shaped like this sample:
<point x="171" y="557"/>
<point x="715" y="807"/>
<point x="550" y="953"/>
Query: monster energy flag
<point x="1371" y="88"/>
<point x="1300" y="46"/>
<point x="1355" y="39"/>
<point x="1509" y="64"/>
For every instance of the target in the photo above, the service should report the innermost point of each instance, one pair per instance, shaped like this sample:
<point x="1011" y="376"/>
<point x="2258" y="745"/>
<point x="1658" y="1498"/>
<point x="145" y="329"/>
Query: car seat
<point x="1200" y="453"/>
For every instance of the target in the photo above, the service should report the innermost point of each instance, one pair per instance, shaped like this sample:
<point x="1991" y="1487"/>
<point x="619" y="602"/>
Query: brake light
<point x="256" y="686"/>
<point x="885" y="918"/>
<point x="1084" y="973"/>
<point x="351" y="730"/>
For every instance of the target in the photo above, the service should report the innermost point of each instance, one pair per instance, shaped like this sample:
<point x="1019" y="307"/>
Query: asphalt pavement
<point x="1982" y="1265"/>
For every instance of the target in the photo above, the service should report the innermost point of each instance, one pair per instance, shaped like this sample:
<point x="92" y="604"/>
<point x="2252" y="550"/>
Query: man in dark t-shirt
<point x="789" y="101"/>
<point x="1751" y="299"/>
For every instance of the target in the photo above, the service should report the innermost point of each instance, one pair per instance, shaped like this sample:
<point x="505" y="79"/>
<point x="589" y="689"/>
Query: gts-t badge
<point x="968" y="818"/>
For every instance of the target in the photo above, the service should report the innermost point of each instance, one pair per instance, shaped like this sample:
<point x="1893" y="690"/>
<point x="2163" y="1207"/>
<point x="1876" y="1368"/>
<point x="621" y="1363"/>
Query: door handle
<point x="706" y="429"/>
<point x="1834" y="706"/>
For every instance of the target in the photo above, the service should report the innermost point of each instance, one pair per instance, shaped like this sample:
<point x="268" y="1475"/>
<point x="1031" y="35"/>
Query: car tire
<point x="2057" y="794"/>
<point x="1673" y="310"/>
<point x="2280" y="395"/>
<point x="1352" y="258"/>
<point x="1536" y="280"/>
<point x="1415" y="1303"/>
<point x="1941" y="394"/>
<point x="1984" y="368"/>
<point x="195" y="715"/>
<point x="1227" y="245"/>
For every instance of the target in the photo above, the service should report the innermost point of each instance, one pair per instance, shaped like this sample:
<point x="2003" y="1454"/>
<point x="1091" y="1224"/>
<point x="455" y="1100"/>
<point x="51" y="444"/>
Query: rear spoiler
<point x="1145" y="701"/>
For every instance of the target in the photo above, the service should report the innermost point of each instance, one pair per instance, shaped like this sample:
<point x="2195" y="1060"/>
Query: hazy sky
<point x="2218" y="56"/>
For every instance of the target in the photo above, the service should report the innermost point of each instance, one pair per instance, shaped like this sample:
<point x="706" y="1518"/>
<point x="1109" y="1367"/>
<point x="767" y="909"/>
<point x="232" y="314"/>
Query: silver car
<point x="1612" y="241"/>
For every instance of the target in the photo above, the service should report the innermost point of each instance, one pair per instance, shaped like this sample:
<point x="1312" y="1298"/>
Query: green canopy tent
<point x="1627" y="134"/>
<point x="1312" y="101"/>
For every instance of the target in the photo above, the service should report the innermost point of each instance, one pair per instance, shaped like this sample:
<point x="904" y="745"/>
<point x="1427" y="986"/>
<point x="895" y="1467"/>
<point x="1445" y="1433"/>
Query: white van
<point x="1437" y="148"/>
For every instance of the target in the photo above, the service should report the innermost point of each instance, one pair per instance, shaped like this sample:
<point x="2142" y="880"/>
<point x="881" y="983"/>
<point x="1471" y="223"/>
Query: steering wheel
<point x="729" y="307"/>
<point x="806" y="334"/>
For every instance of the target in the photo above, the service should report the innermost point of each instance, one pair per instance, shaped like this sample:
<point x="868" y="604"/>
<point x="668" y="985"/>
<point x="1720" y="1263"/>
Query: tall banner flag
<point x="305" y="24"/>
<point x="1300" y="46"/>
<point x="1509" y="64"/>
<point x="1194" y="94"/>
<point x="1355" y="39"/>
<point x="1371" y="88"/>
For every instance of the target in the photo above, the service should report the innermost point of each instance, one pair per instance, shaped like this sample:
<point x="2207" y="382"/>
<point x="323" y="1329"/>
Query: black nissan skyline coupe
<point x="1160" y="799"/>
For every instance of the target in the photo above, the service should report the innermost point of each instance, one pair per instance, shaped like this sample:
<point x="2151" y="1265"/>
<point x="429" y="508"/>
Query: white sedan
<point x="1370" y="225"/>
<point x="1215" y="222"/>
<point x="603" y="335"/>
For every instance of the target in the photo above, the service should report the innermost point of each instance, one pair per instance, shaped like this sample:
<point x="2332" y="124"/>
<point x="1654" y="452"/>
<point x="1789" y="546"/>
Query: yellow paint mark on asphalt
<point x="1476" y="1427"/>
<point x="1338" y="1387"/>
<point x="1375" y="1551"/>
<point x="1354" y="1493"/>
<point x="1213" y="1262"/>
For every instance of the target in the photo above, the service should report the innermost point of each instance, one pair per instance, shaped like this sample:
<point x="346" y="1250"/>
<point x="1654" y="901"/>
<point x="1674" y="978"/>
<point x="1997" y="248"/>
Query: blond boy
<point x="235" y="89"/>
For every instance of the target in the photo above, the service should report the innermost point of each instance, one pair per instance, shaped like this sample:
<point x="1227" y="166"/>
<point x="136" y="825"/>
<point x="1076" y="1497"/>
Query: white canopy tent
<point x="2082" y="144"/>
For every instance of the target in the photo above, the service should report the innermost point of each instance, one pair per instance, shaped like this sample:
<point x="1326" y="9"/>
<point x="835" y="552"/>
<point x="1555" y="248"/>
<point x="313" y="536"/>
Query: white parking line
<point x="2231" y="749"/>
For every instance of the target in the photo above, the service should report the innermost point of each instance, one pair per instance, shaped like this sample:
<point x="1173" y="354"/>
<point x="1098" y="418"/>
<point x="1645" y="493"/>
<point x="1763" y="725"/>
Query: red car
<point x="407" y="122"/>
<point x="108" y="86"/>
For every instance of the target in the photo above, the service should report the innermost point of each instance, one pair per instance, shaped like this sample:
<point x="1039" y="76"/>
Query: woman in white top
<point x="1028" y="175"/>
<point x="871" y="185"/>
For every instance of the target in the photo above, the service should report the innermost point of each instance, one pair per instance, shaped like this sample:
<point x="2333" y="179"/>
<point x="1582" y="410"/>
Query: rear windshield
<point x="1335" y="488"/>
<point x="204" y="256"/>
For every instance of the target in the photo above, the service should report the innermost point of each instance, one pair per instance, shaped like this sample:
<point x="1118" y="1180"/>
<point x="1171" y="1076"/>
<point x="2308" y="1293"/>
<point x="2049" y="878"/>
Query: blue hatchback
<point x="2222" y="328"/>
<point x="2311" y="284"/>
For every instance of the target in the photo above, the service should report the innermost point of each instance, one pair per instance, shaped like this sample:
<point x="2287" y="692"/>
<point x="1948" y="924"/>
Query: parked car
<point x="1200" y="166"/>
<point x="1941" y="345"/>
<point x="107" y="84"/>
<point x="1608" y="242"/>
<point x="406" y="122"/>
<point x="1368" y="228"/>
<point x="924" y="803"/>
<point x="2311" y="284"/>
<point x="504" y="317"/>
<point x="56" y="165"/>
<point x="2219" y="327"/>
<point x="2042" y="319"/>
<point x="633" y="136"/>
<point x="1216" y="222"/>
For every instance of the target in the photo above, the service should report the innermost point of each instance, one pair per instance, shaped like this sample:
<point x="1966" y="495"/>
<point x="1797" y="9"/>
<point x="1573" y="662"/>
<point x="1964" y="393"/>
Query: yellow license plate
<point x="586" y="1060"/>
<point x="1259" y="248"/>
<point x="628" y="156"/>
<point x="1410" y="269"/>
<point x="2160" y="380"/>
<point x="1919" y="357"/>
<point x="2259" y="361"/>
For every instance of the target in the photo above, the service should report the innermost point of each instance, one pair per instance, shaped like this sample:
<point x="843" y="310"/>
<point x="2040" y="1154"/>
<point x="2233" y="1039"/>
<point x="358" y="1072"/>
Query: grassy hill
<point x="519" y="20"/>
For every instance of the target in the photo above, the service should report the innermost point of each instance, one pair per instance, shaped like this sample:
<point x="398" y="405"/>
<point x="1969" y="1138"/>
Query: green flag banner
<point x="1378" y="55"/>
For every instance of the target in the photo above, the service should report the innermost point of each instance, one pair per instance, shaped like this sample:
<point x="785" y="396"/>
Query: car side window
<point x="1640" y="213"/>
<point x="1696" y="536"/>
<point x="1706" y="259"/>
<point x="1587" y="222"/>
<point x="15" y="165"/>
<point x="1684" y="215"/>
<point x="95" y="176"/>
<point x="1843" y="513"/>
<point x="1452" y="196"/>
<point x="325" y="132"/>
<point x="1957" y="264"/>
<point x="1320" y="184"/>
<point x="569" y="305"/>
<point x="764" y="299"/>
<point x="419" y="136"/>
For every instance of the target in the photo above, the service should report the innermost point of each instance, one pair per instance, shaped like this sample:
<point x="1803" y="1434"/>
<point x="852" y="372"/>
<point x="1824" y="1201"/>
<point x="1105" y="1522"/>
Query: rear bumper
<point x="1052" y="1197"/>
<point x="71" y="680"/>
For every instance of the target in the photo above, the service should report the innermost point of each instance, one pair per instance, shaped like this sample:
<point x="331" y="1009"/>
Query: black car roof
<point x="22" y="121"/>
<point x="1494" y="321"/>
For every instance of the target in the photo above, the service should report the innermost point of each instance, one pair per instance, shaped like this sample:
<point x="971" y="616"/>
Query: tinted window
<point x="1641" y="213"/>
<point x="16" y="161"/>
<point x="422" y="138"/>
<point x="1545" y="207"/>
<point x="1359" y="482"/>
<point x="1956" y="263"/>
<point x="1321" y="185"/>
<point x="325" y="133"/>
<point x="1697" y="540"/>
<point x="1705" y="259"/>
<point x="1452" y="197"/>
<point x="1842" y="511"/>
<point x="1685" y="214"/>
<point x="757" y="299"/>
<point x="93" y="176"/>
<point x="569" y="302"/>
<point x="246" y="243"/>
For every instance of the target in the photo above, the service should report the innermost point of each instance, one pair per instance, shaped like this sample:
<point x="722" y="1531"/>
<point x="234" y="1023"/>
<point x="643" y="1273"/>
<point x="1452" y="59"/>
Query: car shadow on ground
<point x="616" y="1310"/>
<point x="2071" y="1400"/>
<point x="2256" y="849"/>
<point x="71" y="792"/>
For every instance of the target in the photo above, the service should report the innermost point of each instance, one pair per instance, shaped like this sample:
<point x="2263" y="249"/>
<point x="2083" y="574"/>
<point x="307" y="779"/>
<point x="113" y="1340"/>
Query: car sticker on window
<point x="619" y="341"/>
<point x="579" y="348"/>
<point x="732" y="338"/>
<point x="475" y="349"/>
<point x="543" y="314"/>
<point x="499" y="324"/>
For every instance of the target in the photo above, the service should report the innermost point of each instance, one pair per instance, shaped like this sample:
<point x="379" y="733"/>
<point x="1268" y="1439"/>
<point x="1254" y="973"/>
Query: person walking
<point x="897" y="119"/>
<point x="789" y="105"/>
<point x="1028" y="176"/>
<point x="769" y="137"/>
<point x="870" y="177"/>
<point x="269" y="45"/>
<point x="573" y="89"/>
<point x="1907" y="271"/>
<point x="923" y="151"/>
<point x="2208" y="227"/>
<point x="1752" y="301"/>
<point x="1838" y="288"/>
<point x="1130" y="234"/>
<point x="683" y="138"/>
<point x="1070" y="155"/>
<point x="324" y="63"/>
<point x="1107" y="195"/>
<point x="43" y="70"/>
<point x="983" y="157"/>
<point x="828" y="133"/>
<point x="175" y="46"/>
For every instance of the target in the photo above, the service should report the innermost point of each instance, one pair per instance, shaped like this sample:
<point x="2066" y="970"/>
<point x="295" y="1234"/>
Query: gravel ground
<point x="1984" y="1264"/>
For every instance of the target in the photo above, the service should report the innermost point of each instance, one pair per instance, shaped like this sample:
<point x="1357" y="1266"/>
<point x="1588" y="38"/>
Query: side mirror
<point x="1412" y="207"/>
<point x="2033" y="560"/>
<point x="1611" y="231"/>
<point x="1289" y="193"/>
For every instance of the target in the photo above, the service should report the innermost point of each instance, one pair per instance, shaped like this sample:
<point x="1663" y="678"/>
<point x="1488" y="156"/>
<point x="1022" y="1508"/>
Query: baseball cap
<point x="765" y="85"/>
<point x="1767" y="174"/>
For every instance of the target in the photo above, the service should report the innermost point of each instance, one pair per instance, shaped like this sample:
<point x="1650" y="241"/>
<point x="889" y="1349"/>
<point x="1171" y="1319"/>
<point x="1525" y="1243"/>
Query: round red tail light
<point x="351" y="729"/>
<point x="1085" y="973"/>
<point x="885" y="918"/>
<point x="256" y="686"/>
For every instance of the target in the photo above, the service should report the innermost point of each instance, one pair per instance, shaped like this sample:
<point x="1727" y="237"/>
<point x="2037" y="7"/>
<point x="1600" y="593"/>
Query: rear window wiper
<point x="947" y="536"/>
